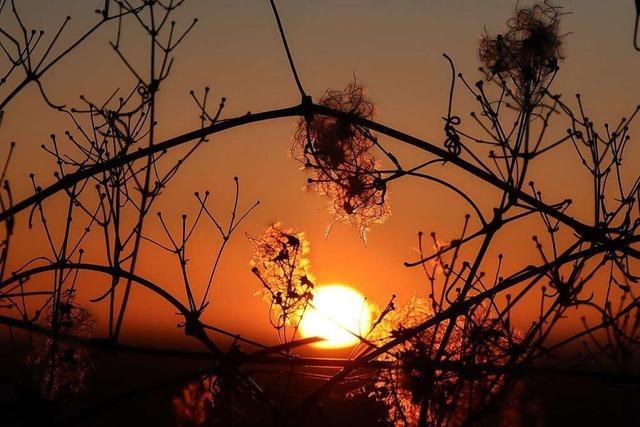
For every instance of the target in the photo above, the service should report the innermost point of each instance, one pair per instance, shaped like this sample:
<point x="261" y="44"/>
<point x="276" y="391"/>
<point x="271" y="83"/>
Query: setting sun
<point x="338" y="313"/>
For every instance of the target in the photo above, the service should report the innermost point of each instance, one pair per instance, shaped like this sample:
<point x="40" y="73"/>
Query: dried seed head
<point x="339" y="155"/>
<point x="527" y="54"/>
<point x="59" y="367"/>
<point x="417" y="374"/>
<point x="281" y="262"/>
<point x="195" y="403"/>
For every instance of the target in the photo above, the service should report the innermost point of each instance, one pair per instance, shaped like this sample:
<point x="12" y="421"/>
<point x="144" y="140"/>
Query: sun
<point x="337" y="313"/>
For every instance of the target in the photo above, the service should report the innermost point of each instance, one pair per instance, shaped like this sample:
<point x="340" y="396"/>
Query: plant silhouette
<point x="451" y="356"/>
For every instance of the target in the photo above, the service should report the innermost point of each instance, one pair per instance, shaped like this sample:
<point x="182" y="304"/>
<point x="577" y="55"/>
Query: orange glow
<point x="338" y="313"/>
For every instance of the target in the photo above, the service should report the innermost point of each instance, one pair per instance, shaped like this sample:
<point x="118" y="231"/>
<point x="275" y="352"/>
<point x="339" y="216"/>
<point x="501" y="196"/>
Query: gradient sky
<point x="394" y="49"/>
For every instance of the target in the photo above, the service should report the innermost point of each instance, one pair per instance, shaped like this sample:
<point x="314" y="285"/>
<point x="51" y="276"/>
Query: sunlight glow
<point x="336" y="314"/>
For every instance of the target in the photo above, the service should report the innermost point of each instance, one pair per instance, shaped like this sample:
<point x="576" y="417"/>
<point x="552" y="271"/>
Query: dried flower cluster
<point x="339" y="154"/>
<point x="281" y="262"/>
<point x="527" y="54"/>
<point x="218" y="399"/>
<point x="441" y="381"/>
<point x="60" y="367"/>
<point x="193" y="406"/>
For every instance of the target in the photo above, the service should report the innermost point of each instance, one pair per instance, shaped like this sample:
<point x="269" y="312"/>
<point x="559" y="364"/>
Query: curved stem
<point x="102" y="269"/>
<point x="300" y="110"/>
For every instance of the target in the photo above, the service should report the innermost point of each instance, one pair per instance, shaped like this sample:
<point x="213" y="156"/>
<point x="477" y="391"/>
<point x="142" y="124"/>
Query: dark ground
<point x="111" y="398"/>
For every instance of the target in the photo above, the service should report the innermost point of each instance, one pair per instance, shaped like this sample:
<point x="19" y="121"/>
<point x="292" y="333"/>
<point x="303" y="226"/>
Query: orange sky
<point x="394" y="48"/>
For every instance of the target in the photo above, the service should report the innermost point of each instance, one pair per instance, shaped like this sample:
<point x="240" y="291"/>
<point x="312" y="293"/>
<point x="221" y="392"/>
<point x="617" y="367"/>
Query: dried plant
<point x="339" y="155"/>
<point x="61" y="368"/>
<point x="417" y="389"/>
<point x="281" y="263"/>
<point x="448" y="357"/>
<point x="194" y="404"/>
<point x="525" y="57"/>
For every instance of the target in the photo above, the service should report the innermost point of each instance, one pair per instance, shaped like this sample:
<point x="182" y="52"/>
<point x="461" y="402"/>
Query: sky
<point x="394" y="49"/>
